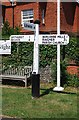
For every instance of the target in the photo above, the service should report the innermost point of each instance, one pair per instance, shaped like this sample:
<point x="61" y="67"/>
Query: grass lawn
<point x="18" y="103"/>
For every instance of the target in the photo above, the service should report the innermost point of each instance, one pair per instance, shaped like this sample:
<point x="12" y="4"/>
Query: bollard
<point x="35" y="85"/>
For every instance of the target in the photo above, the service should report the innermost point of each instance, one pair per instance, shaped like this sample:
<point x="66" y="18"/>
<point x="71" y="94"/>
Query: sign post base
<point x="58" y="89"/>
<point x="35" y="85"/>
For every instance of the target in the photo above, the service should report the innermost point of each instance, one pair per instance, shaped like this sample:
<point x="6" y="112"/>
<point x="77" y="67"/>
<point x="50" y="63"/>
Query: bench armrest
<point x="28" y="73"/>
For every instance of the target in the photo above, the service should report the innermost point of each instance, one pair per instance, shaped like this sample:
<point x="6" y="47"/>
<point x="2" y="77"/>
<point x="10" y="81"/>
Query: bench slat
<point x="17" y="73"/>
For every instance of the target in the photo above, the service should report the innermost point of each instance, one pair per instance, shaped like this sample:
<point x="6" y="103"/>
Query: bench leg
<point x="25" y="81"/>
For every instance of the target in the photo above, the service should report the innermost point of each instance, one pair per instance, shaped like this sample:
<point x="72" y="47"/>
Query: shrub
<point x="64" y="74"/>
<point x="66" y="79"/>
<point x="54" y="71"/>
<point x="47" y="53"/>
<point x="7" y="30"/>
<point x="23" y="57"/>
<point x="73" y="80"/>
<point x="72" y="49"/>
<point x="14" y="31"/>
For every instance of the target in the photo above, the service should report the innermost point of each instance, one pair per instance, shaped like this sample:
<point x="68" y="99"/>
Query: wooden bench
<point x="17" y="73"/>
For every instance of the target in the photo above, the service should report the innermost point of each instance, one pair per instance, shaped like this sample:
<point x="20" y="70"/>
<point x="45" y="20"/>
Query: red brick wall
<point x="19" y="8"/>
<point x="69" y="15"/>
<point x="8" y="16"/>
<point x="76" y="20"/>
<point x="50" y="16"/>
<point x="17" y="13"/>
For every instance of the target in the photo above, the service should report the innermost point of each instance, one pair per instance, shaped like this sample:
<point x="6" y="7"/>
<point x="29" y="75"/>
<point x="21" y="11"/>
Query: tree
<point x="7" y="30"/>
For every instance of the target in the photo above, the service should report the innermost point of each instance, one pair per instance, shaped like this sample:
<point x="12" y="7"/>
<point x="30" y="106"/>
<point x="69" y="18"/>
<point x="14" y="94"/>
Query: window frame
<point x="43" y="16"/>
<point x="27" y="17"/>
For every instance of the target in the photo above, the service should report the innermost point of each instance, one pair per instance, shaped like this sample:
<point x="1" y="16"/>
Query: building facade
<point x="46" y="12"/>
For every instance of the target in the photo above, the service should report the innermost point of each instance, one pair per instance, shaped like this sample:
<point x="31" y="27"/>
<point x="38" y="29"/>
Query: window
<point x="43" y="16"/>
<point x="27" y="16"/>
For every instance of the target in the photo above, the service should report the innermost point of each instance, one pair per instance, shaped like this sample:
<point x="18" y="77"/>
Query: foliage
<point x="26" y="53"/>
<point x="22" y="54"/>
<point x="73" y="80"/>
<point x="72" y="49"/>
<point x="64" y="73"/>
<point x="66" y="78"/>
<point x="0" y="34"/>
<point x="47" y="54"/>
<point x="54" y="71"/>
<point x="7" y="30"/>
<point x="77" y="52"/>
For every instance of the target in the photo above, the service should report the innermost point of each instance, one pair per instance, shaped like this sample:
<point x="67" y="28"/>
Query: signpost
<point x="44" y="39"/>
<point x="22" y="38"/>
<point x="54" y="39"/>
<point x="35" y="73"/>
<point x="5" y="47"/>
<point x="36" y="52"/>
<point x="58" y="87"/>
<point x="29" y="26"/>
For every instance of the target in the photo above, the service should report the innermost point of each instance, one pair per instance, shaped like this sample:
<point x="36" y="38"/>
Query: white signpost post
<point x="35" y="38"/>
<point x="36" y="51"/>
<point x="58" y="87"/>
<point x="35" y="73"/>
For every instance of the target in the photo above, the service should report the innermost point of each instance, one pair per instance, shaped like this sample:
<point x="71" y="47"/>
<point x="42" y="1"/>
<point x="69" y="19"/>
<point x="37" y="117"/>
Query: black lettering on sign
<point x="4" y="47"/>
<point x="29" y="26"/>
<point x="48" y="39"/>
